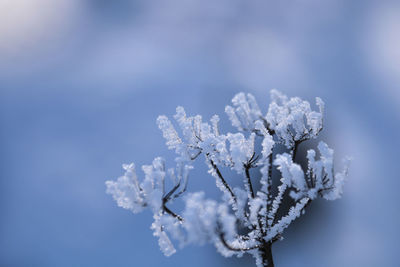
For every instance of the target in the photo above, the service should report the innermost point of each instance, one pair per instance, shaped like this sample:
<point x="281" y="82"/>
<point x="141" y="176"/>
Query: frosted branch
<point x="251" y="209"/>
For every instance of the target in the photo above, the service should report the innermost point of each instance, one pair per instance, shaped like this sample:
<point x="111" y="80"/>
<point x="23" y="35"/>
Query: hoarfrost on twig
<point x="244" y="220"/>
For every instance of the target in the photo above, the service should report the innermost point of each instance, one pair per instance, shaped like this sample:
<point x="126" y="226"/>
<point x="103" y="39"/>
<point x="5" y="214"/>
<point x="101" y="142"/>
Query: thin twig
<point x="173" y="214"/>
<point x="247" y="168"/>
<point x="230" y="247"/>
<point x="269" y="200"/>
<point x="216" y="169"/>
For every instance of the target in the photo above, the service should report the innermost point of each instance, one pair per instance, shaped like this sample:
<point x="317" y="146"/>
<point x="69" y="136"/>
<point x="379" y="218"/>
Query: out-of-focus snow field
<point x="82" y="82"/>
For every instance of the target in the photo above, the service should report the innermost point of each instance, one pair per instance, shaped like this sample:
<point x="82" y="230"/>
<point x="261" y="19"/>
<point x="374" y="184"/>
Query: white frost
<point x="293" y="120"/>
<point x="251" y="205"/>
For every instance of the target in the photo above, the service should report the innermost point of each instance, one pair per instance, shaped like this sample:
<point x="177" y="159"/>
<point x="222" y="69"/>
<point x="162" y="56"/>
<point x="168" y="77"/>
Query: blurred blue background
<point x="82" y="82"/>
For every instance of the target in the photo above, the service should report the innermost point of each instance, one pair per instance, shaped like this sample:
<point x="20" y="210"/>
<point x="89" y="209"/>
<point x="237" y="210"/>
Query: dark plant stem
<point x="222" y="179"/>
<point x="295" y="147"/>
<point x="296" y="144"/>
<point x="173" y="214"/>
<point x="247" y="171"/>
<point x="266" y="254"/>
<point x="270" y="161"/>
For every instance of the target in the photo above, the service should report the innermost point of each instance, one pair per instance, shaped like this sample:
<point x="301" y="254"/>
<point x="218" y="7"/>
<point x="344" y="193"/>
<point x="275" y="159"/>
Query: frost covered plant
<point x="248" y="219"/>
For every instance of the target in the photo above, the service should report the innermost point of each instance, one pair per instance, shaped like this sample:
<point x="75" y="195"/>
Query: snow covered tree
<point x="247" y="219"/>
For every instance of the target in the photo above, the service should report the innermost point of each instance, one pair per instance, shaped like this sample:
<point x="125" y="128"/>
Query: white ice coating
<point x="288" y="121"/>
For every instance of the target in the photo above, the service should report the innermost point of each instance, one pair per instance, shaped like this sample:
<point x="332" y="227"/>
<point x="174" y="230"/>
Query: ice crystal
<point x="255" y="214"/>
